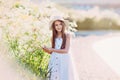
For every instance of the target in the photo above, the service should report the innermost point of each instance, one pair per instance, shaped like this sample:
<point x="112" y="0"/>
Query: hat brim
<point x="65" y="21"/>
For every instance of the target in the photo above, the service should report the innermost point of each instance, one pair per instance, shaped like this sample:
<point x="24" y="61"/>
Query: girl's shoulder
<point x="68" y="35"/>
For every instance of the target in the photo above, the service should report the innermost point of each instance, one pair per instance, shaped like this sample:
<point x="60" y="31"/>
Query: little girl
<point x="59" y="60"/>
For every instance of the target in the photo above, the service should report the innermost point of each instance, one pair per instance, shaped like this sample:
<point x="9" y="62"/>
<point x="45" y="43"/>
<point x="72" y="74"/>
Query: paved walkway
<point x="92" y="65"/>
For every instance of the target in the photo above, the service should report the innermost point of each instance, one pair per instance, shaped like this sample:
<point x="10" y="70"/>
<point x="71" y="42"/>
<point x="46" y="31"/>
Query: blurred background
<point x="91" y="17"/>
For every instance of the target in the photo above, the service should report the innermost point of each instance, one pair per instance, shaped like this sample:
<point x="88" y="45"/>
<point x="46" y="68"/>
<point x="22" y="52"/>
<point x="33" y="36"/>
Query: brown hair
<point x="54" y="34"/>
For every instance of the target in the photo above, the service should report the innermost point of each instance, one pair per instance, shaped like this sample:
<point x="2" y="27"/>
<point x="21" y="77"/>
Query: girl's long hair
<point x="54" y="34"/>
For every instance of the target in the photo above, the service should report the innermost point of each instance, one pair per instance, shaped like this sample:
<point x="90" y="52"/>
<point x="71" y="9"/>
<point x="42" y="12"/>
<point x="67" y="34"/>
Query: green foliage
<point x="92" y="24"/>
<point x="30" y="54"/>
<point x="85" y="25"/>
<point x="18" y="5"/>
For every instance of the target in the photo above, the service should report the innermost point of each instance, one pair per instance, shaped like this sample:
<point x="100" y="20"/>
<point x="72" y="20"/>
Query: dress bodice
<point x="58" y="43"/>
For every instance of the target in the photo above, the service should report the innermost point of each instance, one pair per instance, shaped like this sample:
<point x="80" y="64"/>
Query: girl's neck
<point x="59" y="35"/>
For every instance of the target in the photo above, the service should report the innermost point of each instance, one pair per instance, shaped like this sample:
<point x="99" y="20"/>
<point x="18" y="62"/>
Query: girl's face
<point x="58" y="26"/>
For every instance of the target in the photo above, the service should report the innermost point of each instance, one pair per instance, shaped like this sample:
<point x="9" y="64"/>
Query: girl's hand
<point x="48" y="50"/>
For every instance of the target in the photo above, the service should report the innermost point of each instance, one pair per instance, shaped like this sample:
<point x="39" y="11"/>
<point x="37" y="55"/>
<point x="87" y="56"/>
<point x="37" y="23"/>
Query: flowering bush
<point x="26" y="29"/>
<point x="30" y="54"/>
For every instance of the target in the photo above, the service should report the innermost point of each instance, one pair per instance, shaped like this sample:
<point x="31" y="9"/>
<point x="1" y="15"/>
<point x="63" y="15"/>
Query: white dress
<point x="59" y="65"/>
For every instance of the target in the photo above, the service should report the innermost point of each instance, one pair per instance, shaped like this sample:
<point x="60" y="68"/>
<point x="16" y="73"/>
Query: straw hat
<point x="54" y="18"/>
